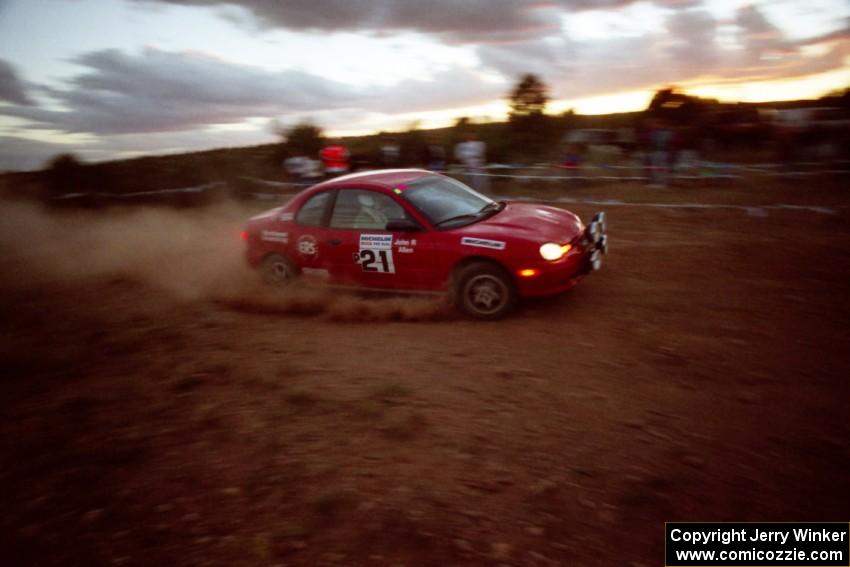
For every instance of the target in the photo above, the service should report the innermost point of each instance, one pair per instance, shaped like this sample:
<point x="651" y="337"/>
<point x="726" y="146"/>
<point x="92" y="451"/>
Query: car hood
<point x="539" y="223"/>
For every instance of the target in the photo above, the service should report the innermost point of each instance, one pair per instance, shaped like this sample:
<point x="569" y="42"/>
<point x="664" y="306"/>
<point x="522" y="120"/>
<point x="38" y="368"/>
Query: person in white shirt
<point x="472" y="155"/>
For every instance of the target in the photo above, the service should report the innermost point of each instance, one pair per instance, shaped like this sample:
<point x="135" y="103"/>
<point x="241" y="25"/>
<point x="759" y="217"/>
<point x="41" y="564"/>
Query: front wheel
<point x="278" y="271"/>
<point x="484" y="291"/>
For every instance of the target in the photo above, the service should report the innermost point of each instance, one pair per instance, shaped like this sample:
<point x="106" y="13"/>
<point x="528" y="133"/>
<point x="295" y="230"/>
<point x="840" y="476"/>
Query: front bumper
<point x="594" y="240"/>
<point x="587" y="254"/>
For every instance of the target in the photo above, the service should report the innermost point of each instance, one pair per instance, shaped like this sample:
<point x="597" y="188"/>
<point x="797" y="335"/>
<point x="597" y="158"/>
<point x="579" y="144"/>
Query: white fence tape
<point x="180" y="191"/>
<point x="752" y="210"/>
<point x="695" y="164"/>
<point x="708" y="175"/>
<point x="278" y="184"/>
<point x="694" y="171"/>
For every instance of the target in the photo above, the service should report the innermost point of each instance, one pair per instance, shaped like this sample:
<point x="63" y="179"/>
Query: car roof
<point x="387" y="178"/>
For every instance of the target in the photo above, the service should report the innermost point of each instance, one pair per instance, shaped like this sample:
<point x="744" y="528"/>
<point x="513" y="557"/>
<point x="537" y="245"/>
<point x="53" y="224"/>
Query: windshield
<point x="446" y="202"/>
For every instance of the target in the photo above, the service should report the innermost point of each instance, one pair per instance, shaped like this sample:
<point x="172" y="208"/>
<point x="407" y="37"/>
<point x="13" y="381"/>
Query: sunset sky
<point x="118" y="78"/>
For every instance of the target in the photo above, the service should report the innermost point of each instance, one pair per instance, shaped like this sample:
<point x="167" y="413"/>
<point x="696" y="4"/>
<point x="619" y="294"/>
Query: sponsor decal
<point x="376" y="253"/>
<point x="404" y="246"/>
<point x="380" y="261"/>
<point x="274" y="236"/>
<point x="307" y="245"/>
<point x="482" y="243"/>
<point x="376" y="241"/>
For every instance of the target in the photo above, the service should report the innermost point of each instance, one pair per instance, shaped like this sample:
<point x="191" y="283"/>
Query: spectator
<point x="660" y="144"/>
<point x="313" y="171"/>
<point x="334" y="159"/>
<point x="571" y="160"/>
<point x="435" y="155"/>
<point x="687" y="151"/>
<point x="297" y="167"/>
<point x="390" y="152"/>
<point x="472" y="155"/>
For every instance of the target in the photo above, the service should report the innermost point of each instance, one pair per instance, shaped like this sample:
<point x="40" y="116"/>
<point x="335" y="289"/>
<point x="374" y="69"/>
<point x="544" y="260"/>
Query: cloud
<point x="513" y="37"/>
<point x="12" y="89"/>
<point x="581" y="68"/>
<point x="758" y="35"/>
<point x="686" y="49"/>
<point x="162" y="91"/>
<point x="694" y="33"/>
<point x="452" y="87"/>
<point x="467" y="21"/>
<point x="766" y="53"/>
<point x="841" y="34"/>
<point x="551" y="56"/>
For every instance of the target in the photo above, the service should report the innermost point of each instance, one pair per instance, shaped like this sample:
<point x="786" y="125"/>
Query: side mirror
<point x="403" y="225"/>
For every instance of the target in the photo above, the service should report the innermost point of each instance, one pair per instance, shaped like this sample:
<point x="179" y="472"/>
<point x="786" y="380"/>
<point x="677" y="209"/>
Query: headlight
<point x="551" y="251"/>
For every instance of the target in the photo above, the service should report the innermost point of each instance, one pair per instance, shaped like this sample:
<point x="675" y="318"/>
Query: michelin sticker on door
<point x="376" y="253"/>
<point x="275" y="236"/>
<point x="482" y="243"/>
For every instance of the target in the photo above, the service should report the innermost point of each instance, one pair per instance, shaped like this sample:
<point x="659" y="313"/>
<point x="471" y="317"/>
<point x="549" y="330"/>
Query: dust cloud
<point x="191" y="255"/>
<point x="330" y="303"/>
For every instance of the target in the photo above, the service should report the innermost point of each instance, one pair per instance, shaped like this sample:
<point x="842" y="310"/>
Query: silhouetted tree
<point x="532" y="131"/>
<point x="676" y="107"/>
<point x="462" y="125"/>
<point x="842" y="97"/>
<point x="303" y="139"/>
<point x="529" y="97"/>
<point x="65" y="174"/>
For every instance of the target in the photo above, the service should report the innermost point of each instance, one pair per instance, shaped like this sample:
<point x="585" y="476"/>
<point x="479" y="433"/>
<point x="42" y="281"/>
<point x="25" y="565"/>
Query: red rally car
<point x="418" y="231"/>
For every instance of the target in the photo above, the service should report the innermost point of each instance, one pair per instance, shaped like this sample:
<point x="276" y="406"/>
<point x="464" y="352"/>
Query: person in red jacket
<point x="335" y="159"/>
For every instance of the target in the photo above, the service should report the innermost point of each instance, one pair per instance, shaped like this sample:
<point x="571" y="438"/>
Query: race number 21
<point x="377" y="261"/>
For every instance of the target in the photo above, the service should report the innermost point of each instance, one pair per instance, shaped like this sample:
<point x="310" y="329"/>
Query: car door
<point x="309" y="242"/>
<point x="364" y="253"/>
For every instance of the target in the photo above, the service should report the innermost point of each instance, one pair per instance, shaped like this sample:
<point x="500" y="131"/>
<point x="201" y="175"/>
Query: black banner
<point x="757" y="544"/>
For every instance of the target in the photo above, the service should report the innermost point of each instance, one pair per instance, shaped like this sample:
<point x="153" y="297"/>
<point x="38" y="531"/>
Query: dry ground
<point x="159" y="409"/>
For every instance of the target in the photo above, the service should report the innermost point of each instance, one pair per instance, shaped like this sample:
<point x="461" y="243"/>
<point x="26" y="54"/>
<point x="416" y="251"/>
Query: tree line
<point x="530" y="135"/>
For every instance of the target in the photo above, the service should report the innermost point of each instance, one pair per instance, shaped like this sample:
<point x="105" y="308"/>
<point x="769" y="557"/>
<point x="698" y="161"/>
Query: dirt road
<point x="159" y="408"/>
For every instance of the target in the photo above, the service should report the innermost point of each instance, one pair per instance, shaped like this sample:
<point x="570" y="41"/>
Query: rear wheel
<point x="278" y="271"/>
<point x="484" y="291"/>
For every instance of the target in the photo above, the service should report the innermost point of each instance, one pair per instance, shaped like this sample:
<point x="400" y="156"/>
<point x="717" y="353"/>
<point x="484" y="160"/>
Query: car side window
<point x="360" y="209"/>
<point x="312" y="213"/>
